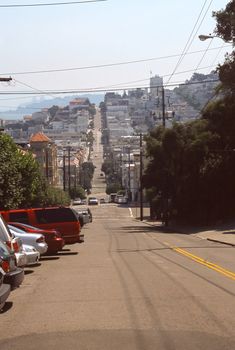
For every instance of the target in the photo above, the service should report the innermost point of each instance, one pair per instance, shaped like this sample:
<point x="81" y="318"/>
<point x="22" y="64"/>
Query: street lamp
<point x="203" y="37"/>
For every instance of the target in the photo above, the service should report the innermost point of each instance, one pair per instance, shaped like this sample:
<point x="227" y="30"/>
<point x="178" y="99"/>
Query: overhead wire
<point x="217" y="55"/>
<point x="54" y="92"/>
<point x="124" y="83"/>
<point x="112" y="64"/>
<point x="31" y="87"/>
<point x="107" y="86"/>
<point x="203" y="56"/>
<point x="191" y="37"/>
<point x="163" y="76"/>
<point x="51" y="4"/>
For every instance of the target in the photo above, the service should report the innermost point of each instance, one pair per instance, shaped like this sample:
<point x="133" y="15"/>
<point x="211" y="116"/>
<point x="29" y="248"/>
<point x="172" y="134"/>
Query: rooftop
<point x="39" y="137"/>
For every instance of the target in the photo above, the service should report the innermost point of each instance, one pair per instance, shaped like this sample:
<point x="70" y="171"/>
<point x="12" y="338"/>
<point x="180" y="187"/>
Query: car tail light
<point x="6" y="266"/>
<point x="58" y="234"/>
<point x="16" y="247"/>
<point x="8" y="243"/>
<point x="40" y="239"/>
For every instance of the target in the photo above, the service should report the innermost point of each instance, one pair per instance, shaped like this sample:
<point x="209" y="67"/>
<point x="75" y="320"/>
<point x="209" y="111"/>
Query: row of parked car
<point x="26" y="234"/>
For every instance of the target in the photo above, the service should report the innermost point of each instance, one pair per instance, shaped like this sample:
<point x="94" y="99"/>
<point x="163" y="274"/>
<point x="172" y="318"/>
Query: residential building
<point x="46" y="154"/>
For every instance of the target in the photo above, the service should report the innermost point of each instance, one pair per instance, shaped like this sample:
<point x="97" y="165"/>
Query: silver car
<point x="32" y="255"/>
<point x="33" y="239"/>
<point x="21" y="258"/>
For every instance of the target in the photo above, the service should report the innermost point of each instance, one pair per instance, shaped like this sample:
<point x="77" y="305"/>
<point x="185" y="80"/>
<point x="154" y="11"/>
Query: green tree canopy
<point x="20" y="177"/>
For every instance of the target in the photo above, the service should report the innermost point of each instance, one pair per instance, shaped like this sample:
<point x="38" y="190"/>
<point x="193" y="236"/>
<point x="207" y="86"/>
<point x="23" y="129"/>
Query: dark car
<point x="14" y="275"/>
<point x="4" y="288"/>
<point x="52" y="237"/>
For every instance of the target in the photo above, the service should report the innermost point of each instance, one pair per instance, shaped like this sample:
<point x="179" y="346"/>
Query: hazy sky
<point x="61" y="37"/>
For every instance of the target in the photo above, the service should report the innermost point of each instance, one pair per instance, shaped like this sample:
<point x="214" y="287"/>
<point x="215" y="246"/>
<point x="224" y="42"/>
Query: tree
<point x="113" y="188"/>
<point x="77" y="192"/>
<point x="177" y="174"/>
<point x="193" y="165"/>
<point x="21" y="182"/>
<point x="86" y="175"/>
<point x="20" y="177"/>
<point x="225" y="27"/>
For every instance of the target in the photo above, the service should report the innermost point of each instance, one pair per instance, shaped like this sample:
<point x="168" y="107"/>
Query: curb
<point x="182" y="232"/>
<point x="217" y="241"/>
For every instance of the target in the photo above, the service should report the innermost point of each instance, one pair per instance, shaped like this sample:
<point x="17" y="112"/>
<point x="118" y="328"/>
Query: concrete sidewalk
<point x="221" y="234"/>
<point x="224" y="234"/>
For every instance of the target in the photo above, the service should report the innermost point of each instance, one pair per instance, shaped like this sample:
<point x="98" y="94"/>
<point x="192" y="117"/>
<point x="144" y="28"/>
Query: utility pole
<point x="129" y="174"/>
<point x="69" y="170"/>
<point x="5" y="80"/>
<point x="64" y="173"/>
<point x="47" y="163"/>
<point x="163" y="108"/>
<point x="141" y="174"/>
<point x="165" y="199"/>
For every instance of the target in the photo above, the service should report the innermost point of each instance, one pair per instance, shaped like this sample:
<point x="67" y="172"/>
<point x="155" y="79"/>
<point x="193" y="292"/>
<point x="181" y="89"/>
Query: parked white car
<point x="35" y="240"/>
<point x="32" y="255"/>
<point x="13" y="243"/>
<point x="21" y="258"/>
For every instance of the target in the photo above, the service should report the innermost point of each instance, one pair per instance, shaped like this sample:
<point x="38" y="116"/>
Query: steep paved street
<point x="129" y="286"/>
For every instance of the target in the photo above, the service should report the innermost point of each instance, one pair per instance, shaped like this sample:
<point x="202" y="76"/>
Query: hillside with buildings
<point x="60" y="136"/>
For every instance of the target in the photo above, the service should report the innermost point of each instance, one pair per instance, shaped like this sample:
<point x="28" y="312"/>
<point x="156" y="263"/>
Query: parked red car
<point x="52" y="237"/>
<point x="62" y="219"/>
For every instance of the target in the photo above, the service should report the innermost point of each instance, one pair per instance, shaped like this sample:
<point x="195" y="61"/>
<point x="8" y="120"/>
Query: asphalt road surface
<point x="129" y="286"/>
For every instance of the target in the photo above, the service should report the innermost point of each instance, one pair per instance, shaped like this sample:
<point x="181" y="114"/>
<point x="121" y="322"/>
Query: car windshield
<point x="4" y="251"/>
<point x="4" y="230"/>
<point x="15" y="229"/>
<point x="25" y="225"/>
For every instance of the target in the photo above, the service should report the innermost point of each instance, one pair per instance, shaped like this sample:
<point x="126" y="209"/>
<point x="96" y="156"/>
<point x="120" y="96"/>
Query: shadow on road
<point x="8" y="305"/>
<point x="143" y="228"/>
<point x="62" y="253"/>
<point x="48" y="258"/>
<point x="28" y="272"/>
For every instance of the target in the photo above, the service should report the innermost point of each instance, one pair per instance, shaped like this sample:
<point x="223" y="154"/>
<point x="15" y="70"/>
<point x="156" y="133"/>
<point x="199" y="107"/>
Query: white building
<point x="156" y="82"/>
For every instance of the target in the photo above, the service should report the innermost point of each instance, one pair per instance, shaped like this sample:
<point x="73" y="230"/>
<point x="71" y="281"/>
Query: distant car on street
<point x="77" y="201"/>
<point x="121" y="199"/>
<point x="93" y="201"/>
<point x="102" y="201"/>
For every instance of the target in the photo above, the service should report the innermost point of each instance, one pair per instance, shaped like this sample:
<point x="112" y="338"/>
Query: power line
<point x="102" y="87"/>
<point x="190" y="39"/>
<point x="203" y="56"/>
<point x="31" y="87"/>
<point x="105" y="65"/>
<point x="75" y="91"/>
<point x="163" y="76"/>
<point x="52" y="4"/>
<point x="217" y="55"/>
